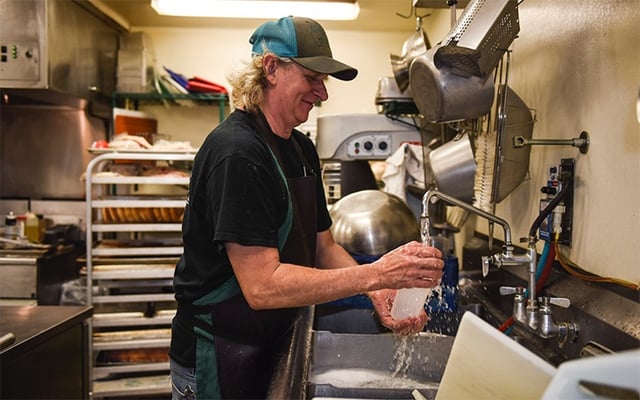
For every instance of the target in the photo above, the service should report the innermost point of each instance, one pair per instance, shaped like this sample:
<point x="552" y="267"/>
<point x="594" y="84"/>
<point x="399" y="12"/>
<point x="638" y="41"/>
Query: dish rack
<point x="133" y="244"/>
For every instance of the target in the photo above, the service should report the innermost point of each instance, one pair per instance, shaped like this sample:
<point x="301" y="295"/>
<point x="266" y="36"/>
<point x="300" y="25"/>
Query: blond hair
<point x="248" y="83"/>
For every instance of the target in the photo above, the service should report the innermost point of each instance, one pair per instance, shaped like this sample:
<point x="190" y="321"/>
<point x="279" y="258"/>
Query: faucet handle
<point x="486" y="262"/>
<point x="507" y="290"/>
<point x="558" y="301"/>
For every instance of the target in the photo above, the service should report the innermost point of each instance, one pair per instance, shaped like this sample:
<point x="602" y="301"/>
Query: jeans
<point x="183" y="382"/>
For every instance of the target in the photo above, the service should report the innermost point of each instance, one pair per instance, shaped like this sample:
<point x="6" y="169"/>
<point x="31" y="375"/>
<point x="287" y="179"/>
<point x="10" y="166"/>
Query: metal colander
<point x="476" y="44"/>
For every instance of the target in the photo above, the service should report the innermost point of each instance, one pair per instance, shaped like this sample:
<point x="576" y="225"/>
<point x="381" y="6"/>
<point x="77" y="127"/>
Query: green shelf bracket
<point x="221" y="99"/>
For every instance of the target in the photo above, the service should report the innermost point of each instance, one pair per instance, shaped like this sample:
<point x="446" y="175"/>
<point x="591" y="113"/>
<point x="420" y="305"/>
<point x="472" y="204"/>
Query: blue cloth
<point x="445" y="300"/>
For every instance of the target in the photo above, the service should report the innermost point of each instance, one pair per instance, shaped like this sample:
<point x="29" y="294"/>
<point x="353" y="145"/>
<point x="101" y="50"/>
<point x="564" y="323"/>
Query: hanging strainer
<point x="477" y="42"/>
<point x="511" y="163"/>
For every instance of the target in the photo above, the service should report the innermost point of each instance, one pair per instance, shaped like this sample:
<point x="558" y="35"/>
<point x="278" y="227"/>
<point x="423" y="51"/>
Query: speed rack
<point x="133" y="244"/>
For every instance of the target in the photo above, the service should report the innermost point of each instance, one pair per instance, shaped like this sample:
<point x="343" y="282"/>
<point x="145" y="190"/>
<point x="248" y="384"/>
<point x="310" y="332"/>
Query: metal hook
<point x="413" y="12"/>
<point x="410" y="12"/>
<point x="421" y="16"/>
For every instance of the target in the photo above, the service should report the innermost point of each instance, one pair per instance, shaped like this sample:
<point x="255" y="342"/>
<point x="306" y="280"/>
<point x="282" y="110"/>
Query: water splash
<point x="403" y="352"/>
<point x="425" y="227"/>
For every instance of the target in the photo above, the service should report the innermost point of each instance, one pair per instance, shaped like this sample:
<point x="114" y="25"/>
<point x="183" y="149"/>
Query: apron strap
<point x="206" y="360"/>
<point x="264" y="131"/>
<point x="206" y="365"/>
<point x="307" y="168"/>
<point x="285" y="228"/>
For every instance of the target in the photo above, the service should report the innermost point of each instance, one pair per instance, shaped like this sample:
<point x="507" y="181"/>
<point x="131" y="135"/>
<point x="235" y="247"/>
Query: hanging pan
<point x="416" y="44"/>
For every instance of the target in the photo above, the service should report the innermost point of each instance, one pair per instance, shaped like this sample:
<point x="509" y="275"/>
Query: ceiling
<point x="378" y="15"/>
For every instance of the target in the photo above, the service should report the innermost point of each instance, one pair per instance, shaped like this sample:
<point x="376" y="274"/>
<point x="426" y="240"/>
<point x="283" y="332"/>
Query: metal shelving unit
<point x="131" y="256"/>
<point x="208" y="98"/>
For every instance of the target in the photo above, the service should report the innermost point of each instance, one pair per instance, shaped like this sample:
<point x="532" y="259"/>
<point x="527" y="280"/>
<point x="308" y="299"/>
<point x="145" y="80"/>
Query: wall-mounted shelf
<point x="206" y="98"/>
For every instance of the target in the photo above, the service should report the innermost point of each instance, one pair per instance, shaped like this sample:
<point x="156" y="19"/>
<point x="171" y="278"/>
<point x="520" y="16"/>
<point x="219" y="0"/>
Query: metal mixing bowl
<point x="372" y="222"/>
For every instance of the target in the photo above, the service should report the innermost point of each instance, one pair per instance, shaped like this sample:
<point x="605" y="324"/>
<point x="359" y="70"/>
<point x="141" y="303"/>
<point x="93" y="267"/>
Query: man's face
<point x="298" y="90"/>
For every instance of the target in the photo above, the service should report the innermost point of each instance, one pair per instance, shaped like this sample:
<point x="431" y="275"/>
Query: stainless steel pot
<point x="372" y="222"/>
<point x="442" y="96"/>
<point x="454" y="167"/>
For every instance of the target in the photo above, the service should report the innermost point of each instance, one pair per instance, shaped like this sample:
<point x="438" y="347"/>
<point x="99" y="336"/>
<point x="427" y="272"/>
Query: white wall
<point x="215" y="52"/>
<point x="576" y="62"/>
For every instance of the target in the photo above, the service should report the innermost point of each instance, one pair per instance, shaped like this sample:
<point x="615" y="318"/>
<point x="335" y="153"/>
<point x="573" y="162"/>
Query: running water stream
<point x="410" y="302"/>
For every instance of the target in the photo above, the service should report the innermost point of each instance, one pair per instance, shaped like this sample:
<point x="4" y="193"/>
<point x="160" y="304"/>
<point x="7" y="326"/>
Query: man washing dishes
<point x="256" y="229"/>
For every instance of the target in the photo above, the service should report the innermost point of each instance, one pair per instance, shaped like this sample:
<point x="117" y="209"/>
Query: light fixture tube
<point x="321" y="10"/>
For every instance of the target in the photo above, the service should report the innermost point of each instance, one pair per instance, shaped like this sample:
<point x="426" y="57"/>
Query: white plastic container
<point x="618" y="371"/>
<point x="409" y="302"/>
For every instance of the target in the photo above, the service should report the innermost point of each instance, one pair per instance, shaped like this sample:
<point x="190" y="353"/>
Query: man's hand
<point x="383" y="301"/>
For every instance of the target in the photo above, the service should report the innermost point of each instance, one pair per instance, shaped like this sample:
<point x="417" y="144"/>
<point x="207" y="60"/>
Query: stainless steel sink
<point x="376" y="366"/>
<point x="349" y="355"/>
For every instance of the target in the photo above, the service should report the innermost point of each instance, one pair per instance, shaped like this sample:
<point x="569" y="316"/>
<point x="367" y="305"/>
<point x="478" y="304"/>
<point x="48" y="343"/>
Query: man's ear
<point x="270" y="64"/>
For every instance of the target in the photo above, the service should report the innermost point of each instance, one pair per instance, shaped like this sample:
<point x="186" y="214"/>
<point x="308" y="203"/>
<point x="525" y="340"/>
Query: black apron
<point x="238" y="347"/>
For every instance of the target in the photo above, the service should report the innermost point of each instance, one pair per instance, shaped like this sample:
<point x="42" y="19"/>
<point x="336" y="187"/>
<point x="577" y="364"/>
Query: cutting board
<point x="486" y="364"/>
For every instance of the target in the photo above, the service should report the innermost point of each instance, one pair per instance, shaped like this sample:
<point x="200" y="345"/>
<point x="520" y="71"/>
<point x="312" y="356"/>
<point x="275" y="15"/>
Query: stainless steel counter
<point x="49" y="356"/>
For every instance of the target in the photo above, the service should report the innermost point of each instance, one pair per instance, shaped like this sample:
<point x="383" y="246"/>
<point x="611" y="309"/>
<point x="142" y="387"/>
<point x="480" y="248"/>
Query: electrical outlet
<point x="550" y="190"/>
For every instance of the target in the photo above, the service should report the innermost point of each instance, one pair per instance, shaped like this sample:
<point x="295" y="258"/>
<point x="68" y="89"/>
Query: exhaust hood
<point x="57" y="75"/>
<point x="65" y="46"/>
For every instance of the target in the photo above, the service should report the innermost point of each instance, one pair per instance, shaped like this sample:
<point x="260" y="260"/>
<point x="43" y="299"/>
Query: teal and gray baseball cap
<point x="304" y="41"/>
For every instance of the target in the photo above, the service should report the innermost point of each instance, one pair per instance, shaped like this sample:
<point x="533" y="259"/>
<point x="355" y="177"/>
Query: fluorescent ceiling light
<point x="316" y="9"/>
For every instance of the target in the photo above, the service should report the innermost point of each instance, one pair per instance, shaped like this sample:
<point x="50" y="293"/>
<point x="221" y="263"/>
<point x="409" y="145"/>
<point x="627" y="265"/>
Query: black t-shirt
<point x="236" y="194"/>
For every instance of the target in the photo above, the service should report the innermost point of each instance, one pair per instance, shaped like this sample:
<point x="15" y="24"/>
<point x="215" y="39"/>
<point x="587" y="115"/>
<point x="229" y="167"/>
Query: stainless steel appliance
<point x="346" y="143"/>
<point x="43" y="151"/>
<point x="59" y="45"/>
<point x="57" y="74"/>
<point x="36" y="275"/>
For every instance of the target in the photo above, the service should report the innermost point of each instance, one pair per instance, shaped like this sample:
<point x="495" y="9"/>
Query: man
<point x="257" y="243"/>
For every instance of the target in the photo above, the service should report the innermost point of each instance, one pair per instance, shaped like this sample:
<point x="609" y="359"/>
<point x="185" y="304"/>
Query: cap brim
<point x="329" y="66"/>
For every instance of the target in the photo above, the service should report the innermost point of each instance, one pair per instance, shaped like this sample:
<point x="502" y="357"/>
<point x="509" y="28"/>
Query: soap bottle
<point x="10" y="226"/>
<point x="32" y="227"/>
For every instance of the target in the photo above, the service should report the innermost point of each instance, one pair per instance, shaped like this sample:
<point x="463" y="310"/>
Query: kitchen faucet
<point x="527" y="312"/>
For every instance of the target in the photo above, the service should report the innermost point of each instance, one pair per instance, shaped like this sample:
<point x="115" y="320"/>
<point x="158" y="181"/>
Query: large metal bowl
<point x="372" y="222"/>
